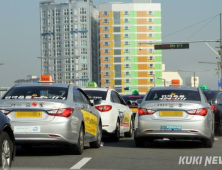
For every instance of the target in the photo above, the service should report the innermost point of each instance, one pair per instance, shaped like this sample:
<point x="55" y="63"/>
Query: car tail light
<point x="65" y="112"/>
<point x="214" y="108"/>
<point x="103" y="108"/>
<point x="201" y="112"/>
<point x="142" y="111"/>
<point x="5" y="112"/>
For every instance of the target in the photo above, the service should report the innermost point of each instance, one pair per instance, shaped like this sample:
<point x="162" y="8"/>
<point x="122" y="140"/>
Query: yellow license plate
<point x="28" y="114"/>
<point x="171" y="113"/>
<point x="134" y="110"/>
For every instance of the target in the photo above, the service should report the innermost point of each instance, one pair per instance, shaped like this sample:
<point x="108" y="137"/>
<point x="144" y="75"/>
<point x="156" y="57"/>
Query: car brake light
<point x="214" y="108"/>
<point x="201" y="112"/>
<point x="103" y="108"/>
<point x="65" y="112"/>
<point x="142" y="111"/>
<point x="5" y="112"/>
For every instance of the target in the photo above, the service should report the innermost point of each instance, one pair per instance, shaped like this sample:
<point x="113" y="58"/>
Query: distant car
<point x="7" y="142"/>
<point x="116" y="116"/>
<point x="133" y="101"/>
<point x="214" y="97"/>
<point x="175" y="113"/>
<point x="52" y="113"/>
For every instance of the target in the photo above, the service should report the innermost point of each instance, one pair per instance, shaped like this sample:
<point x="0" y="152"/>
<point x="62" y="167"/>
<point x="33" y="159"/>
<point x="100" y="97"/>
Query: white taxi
<point x="117" y="118"/>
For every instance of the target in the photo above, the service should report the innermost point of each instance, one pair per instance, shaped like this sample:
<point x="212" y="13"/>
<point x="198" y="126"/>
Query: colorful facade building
<point x="128" y="32"/>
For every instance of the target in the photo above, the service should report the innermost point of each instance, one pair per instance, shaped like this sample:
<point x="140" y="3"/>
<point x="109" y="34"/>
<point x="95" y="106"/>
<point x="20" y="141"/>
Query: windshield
<point x="37" y="93"/>
<point x="94" y="94"/>
<point x="211" y="95"/>
<point x="132" y="98"/>
<point x="173" y="95"/>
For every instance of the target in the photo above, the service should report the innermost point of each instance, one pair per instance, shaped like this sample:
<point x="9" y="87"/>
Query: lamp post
<point x="164" y="80"/>
<point x="194" y="74"/>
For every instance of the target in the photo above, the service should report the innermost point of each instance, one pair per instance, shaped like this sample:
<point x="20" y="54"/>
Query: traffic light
<point x="127" y="88"/>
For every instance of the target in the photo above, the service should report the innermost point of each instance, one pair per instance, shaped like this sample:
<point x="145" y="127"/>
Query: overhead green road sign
<point x="171" y="46"/>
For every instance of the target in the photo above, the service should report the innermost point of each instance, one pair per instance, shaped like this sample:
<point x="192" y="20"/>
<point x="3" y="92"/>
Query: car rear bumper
<point x="190" y="129"/>
<point x="49" y="133"/>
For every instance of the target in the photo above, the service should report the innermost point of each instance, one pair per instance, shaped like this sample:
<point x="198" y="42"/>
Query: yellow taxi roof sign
<point x="72" y="82"/>
<point x="46" y="79"/>
<point x="91" y="84"/>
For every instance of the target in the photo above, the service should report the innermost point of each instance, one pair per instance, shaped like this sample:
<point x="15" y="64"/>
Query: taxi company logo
<point x="199" y="160"/>
<point x="28" y="104"/>
<point x="41" y="104"/>
<point x="35" y="129"/>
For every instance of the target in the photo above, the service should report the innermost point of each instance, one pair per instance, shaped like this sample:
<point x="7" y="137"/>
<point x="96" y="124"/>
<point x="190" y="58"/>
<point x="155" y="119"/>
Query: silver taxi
<point x="174" y="112"/>
<point x="52" y="113"/>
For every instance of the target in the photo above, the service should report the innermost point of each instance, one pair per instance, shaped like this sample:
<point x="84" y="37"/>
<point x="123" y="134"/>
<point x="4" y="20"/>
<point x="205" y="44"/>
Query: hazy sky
<point x="20" y="37"/>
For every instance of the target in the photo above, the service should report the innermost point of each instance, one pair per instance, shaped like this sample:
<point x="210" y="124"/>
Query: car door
<point x="90" y="117"/>
<point x="219" y="108"/>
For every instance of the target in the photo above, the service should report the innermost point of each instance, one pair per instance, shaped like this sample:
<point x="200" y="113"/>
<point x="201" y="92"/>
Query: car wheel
<point x="130" y="133"/>
<point x="139" y="142"/>
<point x="80" y="146"/>
<point x="97" y="143"/>
<point x="116" y="135"/>
<point x="208" y="143"/>
<point x="6" y="150"/>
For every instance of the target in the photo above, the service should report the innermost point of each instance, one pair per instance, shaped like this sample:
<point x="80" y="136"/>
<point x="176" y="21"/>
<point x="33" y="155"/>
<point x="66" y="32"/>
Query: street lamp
<point x="164" y="80"/>
<point x="193" y="73"/>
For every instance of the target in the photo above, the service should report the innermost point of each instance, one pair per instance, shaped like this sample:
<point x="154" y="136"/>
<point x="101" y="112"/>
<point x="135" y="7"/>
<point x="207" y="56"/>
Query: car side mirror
<point x="139" y="101"/>
<point x="97" y="101"/>
<point x="129" y="103"/>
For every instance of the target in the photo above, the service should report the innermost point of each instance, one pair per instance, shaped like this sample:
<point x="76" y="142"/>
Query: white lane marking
<point x="216" y="139"/>
<point x="81" y="163"/>
<point x="166" y="139"/>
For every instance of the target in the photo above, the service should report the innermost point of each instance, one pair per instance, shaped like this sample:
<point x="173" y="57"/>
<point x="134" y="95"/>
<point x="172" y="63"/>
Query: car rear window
<point x="37" y="93"/>
<point x="173" y="95"/>
<point x="96" y="94"/>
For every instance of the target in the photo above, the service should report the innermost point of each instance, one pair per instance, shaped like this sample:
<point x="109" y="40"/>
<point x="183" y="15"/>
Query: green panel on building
<point x="132" y="52"/>
<point x="131" y="14"/>
<point x="157" y="36"/>
<point x="132" y="60"/>
<point x="157" y="13"/>
<point x="132" y="44"/>
<point x="158" y="82"/>
<point x="158" y="66"/>
<point x="132" y="21"/>
<point x="158" y="73"/>
<point x="157" y="21"/>
<point x="158" y="59"/>
<point x="157" y="28"/>
<point x="158" y="51"/>
<point x="131" y="29"/>
<point x="131" y="37"/>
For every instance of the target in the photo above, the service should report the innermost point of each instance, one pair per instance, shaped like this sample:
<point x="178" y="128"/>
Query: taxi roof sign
<point x="175" y="82"/>
<point x="46" y="79"/>
<point x="135" y="93"/>
<point x="91" y="84"/>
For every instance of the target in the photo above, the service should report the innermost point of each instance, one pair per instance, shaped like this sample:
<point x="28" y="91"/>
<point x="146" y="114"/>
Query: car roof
<point x="42" y="84"/>
<point x="97" y="89"/>
<point x="175" y="88"/>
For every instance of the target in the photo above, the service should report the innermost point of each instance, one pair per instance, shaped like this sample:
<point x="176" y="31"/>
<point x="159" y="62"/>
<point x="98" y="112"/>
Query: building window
<point x="127" y="58"/>
<point x="66" y="20"/>
<point x="66" y="12"/>
<point x="151" y="80"/>
<point x="106" y="43"/>
<point x="126" y="36"/>
<point x="83" y="43"/>
<point x="106" y="73"/>
<point x="82" y="18"/>
<point x="66" y="43"/>
<point x="126" y="20"/>
<point x="150" y="12"/>
<point x="127" y="73"/>
<point x="150" y="50"/>
<point x="57" y="12"/>
<point x="57" y="28"/>
<point x="66" y="35"/>
<point x="82" y="10"/>
<point x="66" y="27"/>
<point x="67" y="52"/>
<point x="126" y="13"/>
<point x="150" y="28"/>
<point x="105" y="13"/>
<point x="126" y="28"/>
<point x="83" y="50"/>
<point x="106" y="36"/>
<point x="150" y="35"/>
<point x="84" y="75"/>
<point x="151" y="73"/>
<point x="150" y="43"/>
<point x="106" y="51"/>
<point x="83" y="27"/>
<point x="58" y="52"/>
<point x="105" y="28"/>
<point x="83" y="35"/>
<point x="127" y="66"/>
<point x="107" y="81"/>
<point x="105" y="20"/>
<point x="126" y="42"/>
<point x="127" y="80"/>
<point x="106" y="66"/>
<point x="127" y="51"/>
<point x="84" y="67"/>
<point x="150" y="20"/>
<point x="151" y="58"/>
<point x="150" y="65"/>
<point x="106" y="59"/>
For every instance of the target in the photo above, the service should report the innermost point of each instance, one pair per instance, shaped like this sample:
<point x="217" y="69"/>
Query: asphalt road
<point x="161" y="154"/>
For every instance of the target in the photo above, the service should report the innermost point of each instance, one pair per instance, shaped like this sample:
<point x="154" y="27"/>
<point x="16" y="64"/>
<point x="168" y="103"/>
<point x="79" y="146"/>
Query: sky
<point x="20" y="38"/>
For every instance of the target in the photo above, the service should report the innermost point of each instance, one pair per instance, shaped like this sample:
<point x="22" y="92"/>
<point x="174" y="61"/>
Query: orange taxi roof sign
<point x="175" y="82"/>
<point x="46" y="79"/>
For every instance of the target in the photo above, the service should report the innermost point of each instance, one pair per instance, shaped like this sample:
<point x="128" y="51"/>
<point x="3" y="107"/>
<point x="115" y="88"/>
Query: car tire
<point x="80" y="145"/>
<point x="6" y="150"/>
<point x="208" y="143"/>
<point x="97" y="143"/>
<point x="116" y="134"/>
<point x="139" y="142"/>
<point x="130" y="133"/>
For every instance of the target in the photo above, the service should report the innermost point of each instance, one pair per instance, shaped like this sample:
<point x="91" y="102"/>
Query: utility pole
<point x="221" y="45"/>
<point x="194" y="74"/>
